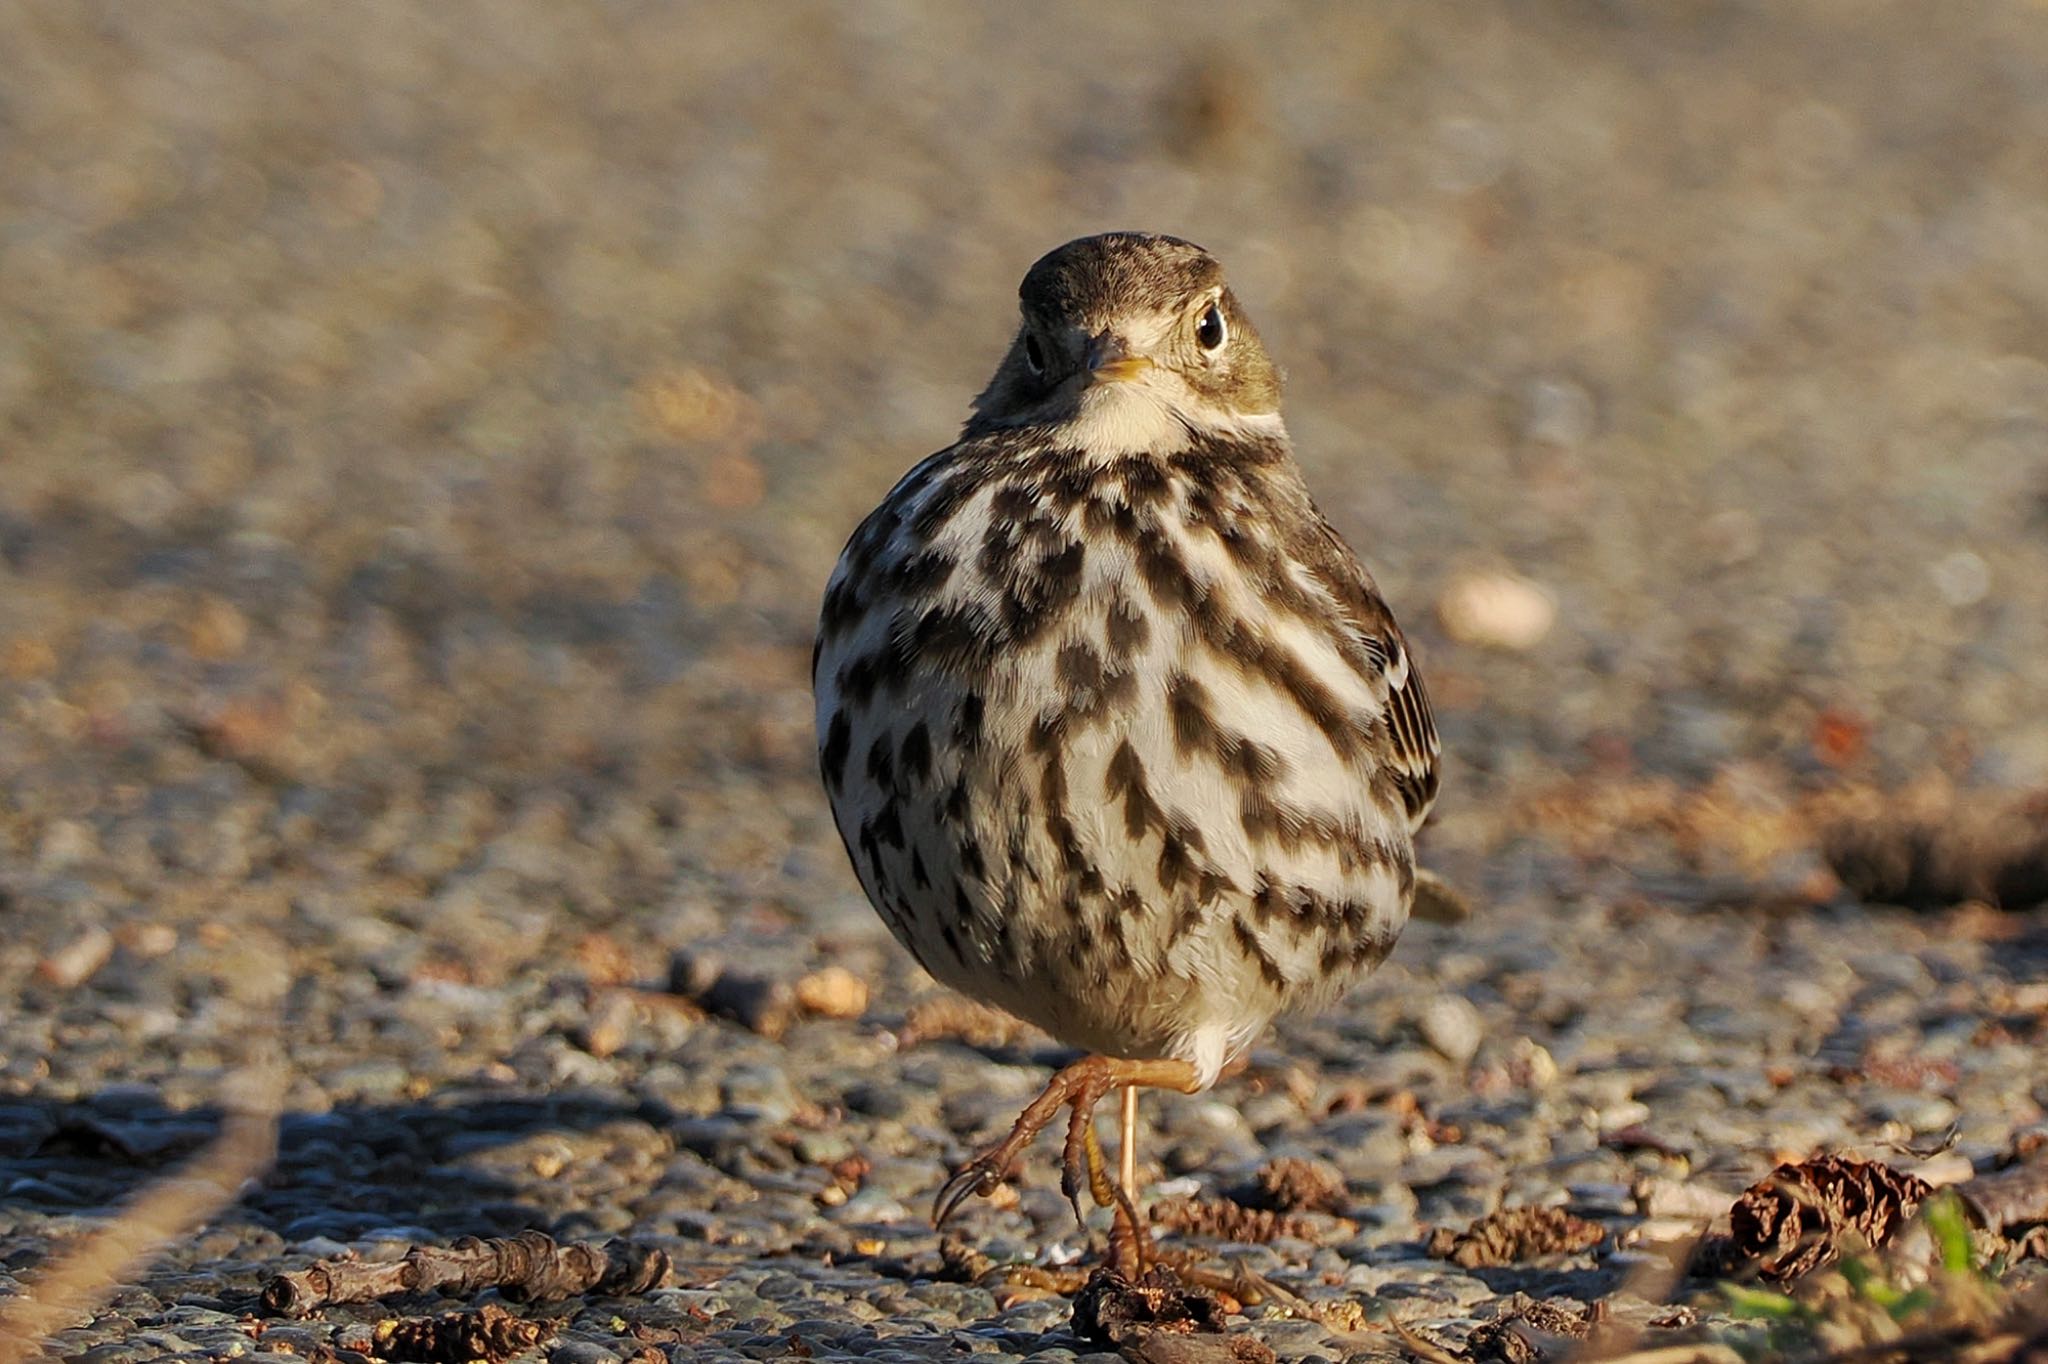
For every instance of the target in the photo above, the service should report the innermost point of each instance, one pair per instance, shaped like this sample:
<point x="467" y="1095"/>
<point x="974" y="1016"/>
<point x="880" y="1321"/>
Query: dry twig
<point x="531" y="1266"/>
<point x="87" y="1271"/>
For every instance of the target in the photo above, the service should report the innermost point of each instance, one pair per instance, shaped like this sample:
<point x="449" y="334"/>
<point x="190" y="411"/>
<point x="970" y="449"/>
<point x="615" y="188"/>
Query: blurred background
<point x="428" y="429"/>
<point x="425" y="431"/>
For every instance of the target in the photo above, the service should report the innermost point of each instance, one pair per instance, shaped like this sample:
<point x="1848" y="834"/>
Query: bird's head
<point x="1129" y="331"/>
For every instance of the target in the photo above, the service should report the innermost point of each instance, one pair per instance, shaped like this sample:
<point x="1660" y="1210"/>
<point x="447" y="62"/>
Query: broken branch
<point x="528" y="1267"/>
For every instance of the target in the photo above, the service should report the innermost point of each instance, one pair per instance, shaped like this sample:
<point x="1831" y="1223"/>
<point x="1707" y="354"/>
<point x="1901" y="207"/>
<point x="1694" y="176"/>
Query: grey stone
<point x="582" y="1352"/>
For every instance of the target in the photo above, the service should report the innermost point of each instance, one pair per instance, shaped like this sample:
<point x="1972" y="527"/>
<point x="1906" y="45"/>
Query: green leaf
<point x="1907" y="1304"/>
<point x="1950" y="1227"/>
<point x="1760" y="1303"/>
<point x="1869" y="1285"/>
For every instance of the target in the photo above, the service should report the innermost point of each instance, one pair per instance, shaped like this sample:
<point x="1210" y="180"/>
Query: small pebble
<point x="1452" y="1027"/>
<point x="1496" y="609"/>
<point x="78" y="960"/>
<point x="833" y="992"/>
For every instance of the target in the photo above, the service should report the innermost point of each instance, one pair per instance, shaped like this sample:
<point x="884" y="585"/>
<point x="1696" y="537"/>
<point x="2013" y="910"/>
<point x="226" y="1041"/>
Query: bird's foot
<point x="1080" y="1087"/>
<point x="1130" y="1244"/>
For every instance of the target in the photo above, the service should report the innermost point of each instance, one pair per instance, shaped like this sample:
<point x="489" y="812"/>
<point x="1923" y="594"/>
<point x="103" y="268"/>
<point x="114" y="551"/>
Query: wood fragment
<point x="529" y="1267"/>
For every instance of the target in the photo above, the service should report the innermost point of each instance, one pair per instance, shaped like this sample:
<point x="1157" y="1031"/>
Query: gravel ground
<point x="427" y="433"/>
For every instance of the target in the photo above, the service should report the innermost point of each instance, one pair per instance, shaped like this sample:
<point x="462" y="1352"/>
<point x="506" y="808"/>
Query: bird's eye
<point x="1034" y="354"/>
<point x="1210" y="332"/>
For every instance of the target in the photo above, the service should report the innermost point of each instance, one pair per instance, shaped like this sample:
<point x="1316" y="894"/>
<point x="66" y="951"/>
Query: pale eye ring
<point x="1211" y="332"/>
<point x="1034" y="353"/>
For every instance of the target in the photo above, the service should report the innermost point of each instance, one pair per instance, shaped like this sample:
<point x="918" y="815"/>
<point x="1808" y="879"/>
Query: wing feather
<point x="1413" y="749"/>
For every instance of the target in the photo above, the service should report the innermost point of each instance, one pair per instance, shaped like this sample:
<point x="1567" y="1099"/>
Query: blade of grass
<point x="1950" y="1227"/>
<point x="1761" y="1303"/>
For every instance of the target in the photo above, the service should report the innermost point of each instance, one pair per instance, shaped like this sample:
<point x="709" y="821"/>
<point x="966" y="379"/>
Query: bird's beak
<point x="1110" y="360"/>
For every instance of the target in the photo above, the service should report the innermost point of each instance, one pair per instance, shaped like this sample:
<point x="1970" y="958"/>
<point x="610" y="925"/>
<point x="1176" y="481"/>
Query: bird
<point x="1119" y="734"/>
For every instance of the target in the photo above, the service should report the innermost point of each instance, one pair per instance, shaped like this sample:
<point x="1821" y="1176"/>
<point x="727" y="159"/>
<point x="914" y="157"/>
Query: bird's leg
<point x="1080" y="1087"/>
<point x="1098" y="1168"/>
<point x="1130" y="1246"/>
<point x="1127" y="1144"/>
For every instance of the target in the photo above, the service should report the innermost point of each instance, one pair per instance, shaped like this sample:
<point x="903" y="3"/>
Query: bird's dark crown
<point x="1117" y="274"/>
<point x="1122" y="316"/>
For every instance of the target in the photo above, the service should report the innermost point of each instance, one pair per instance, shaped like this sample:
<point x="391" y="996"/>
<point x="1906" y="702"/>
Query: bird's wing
<point x="1413" y="749"/>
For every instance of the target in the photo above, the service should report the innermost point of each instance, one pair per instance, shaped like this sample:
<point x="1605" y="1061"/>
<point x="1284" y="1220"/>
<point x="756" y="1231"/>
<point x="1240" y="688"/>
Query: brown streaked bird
<point x="1120" y="735"/>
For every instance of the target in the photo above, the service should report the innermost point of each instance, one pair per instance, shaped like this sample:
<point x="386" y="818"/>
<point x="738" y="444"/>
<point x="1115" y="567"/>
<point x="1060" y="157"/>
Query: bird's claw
<point x="983" y="1175"/>
<point x="1071" y="1184"/>
<point x="1082" y="1166"/>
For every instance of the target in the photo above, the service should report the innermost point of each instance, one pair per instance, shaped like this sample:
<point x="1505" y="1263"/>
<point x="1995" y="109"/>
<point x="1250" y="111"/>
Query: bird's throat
<point x="1139" y="417"/>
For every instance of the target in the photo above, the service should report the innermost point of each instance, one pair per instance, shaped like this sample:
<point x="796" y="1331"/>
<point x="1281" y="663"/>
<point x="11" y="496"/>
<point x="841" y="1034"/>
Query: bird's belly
<point x="1123" y="864"/>
<point x="1105" y="769"/>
